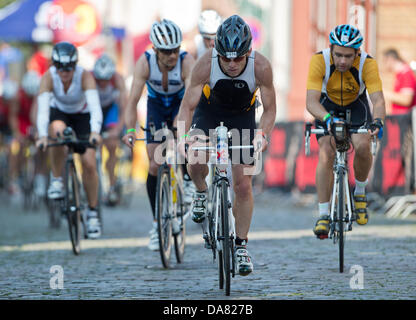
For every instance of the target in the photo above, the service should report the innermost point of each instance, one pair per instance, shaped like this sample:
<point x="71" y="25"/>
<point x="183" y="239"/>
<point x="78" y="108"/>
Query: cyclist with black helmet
<point x="165" y="70"/>
<point x="68" y="97"/>
<point x="338" y="79"/>
<point x="113" y="99"/>
<point x="229" y="76"/>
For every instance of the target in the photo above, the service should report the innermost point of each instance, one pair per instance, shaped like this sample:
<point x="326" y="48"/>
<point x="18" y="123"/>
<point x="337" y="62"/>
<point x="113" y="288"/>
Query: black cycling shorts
<point x="242" y="125"/>
<point x="356" y="114"/>
<point x="79" y="122"/>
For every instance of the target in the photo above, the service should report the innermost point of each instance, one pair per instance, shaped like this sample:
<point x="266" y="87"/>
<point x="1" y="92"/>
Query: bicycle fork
<point x="341" y="172"/>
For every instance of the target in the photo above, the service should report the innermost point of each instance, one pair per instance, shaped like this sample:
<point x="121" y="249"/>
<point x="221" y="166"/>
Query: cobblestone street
<point x="289" y="262"/>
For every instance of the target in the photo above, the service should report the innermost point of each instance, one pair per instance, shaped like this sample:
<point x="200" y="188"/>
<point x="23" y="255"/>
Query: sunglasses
<point x="168" y="52"/>
<point x="238" y="59"/>
<point x="65" y="66"/>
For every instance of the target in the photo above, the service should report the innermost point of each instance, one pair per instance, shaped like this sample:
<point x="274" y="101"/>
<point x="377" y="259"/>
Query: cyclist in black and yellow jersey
<point x="338" y="81"/>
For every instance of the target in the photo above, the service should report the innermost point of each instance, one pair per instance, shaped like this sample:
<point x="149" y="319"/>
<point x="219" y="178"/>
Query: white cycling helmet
<point x="208" y="22"/>
<point x="30" y="83"/>
<point x="9" y="89"/>
<point x="104" y="68"/>
<point x="165" y="35"/>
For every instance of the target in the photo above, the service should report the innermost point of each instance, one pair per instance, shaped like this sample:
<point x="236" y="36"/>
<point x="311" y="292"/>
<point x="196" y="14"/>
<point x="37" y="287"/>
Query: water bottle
<point x="222" y="146"/>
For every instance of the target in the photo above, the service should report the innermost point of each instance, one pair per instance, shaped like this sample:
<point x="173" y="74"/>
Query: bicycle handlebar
<point x="362" y="130"/>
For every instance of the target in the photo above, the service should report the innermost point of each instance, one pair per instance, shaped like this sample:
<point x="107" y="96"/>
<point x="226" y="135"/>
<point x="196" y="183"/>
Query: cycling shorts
<point x="110" y="116"/>
<point x="158" y="113"/>
<point x="243" y="126"/>
<point x="356" y="114"/>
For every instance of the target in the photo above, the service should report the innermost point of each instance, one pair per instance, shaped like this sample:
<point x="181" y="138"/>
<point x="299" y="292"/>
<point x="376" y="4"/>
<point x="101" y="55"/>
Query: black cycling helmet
<point x="64" y="56"/>
<point x="233" y="38"/>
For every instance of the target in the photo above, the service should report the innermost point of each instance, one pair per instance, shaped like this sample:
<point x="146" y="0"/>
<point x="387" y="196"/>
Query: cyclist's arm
<point x="379" y="106"/>
<point x="316" y="74"/>
<point x="122" y="99"/>
<point x="187" y="65"/>
<point x="141" y="74"/>
<point x="313" y="105"/>
<point x="45" y="94"/>
<point x="199" y="77"/>
<point x="93" y="102"/>
<point x="264" y="78"/>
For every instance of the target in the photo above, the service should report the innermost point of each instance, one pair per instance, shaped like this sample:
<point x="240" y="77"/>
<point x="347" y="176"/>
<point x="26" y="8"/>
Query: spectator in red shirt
<point x="403" y="96"/>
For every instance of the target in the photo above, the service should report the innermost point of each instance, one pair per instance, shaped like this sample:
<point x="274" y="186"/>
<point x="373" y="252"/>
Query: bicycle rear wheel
<point x="180" y="212"/>
<point x="340" y="222"/>
<point x="72" y="206"/>
<point x="225" y="237"/>
<point x="163" y="215"/>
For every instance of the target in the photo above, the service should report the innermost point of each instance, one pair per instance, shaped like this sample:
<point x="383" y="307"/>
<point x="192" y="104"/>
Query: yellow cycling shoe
<point x="321" y="228"/>
<point x="360" y="202"/>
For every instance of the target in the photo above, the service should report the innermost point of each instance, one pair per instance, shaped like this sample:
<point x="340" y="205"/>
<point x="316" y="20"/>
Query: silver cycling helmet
<point x="30" y="83"/>
<point x="104" y="68"/>
<point x="208" y="22"/>
<point x="165" y="35"/>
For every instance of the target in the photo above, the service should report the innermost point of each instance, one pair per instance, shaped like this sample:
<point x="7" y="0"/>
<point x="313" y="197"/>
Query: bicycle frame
<point x="341" y="165"/>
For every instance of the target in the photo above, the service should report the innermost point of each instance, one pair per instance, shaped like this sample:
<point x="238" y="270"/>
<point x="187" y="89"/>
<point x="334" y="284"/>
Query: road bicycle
<point x="171" y="211"/>
<point x="219" y="224"/>
<point x="342" y="210"/>
<point x="73" y="204"/>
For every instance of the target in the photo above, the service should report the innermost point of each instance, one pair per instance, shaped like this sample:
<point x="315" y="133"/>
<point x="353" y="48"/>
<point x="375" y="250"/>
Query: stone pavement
<point x="289" y="262"/>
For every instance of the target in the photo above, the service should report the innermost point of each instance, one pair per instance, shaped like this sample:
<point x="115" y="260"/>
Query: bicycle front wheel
<point x="163" y="215"/>
<point x="225" y="237"/>
<point x="340" y="222"/>
<point x="72" y="206"/>
<point x="180" y="212"/>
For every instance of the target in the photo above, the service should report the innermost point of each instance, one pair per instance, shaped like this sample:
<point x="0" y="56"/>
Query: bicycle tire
<point x="179" y="239"/>
<point x="163" y="216"/>
<point x="54" y="211"/>
<point x="225" y="230"/>
<point x="72" y="206"/>
<point x="340" y="222"/>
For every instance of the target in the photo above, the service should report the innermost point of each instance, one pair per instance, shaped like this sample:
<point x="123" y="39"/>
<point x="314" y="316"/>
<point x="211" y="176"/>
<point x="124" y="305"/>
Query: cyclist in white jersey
<point x="68" y="97"/>
<point x="165" y="69"/>
<point x="208" y="23"/>
<point x="113" y="99"/>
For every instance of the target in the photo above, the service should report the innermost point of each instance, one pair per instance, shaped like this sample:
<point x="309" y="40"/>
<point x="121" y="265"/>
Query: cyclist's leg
<point x="324" y="184"/>
<point x="110" y="127"/>
<point x="111" y="144"/>
<point x="243" y="213"/>
<point x="57" y="154"/>
<point x="243" y="200"/>
<point x="363" y="159"/>
<point x="58" y="122"/>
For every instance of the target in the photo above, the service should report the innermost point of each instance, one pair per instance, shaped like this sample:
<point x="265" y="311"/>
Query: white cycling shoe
<point x="93" y="225"/>
<point x="243" y="261"/>
<point x="154" y="238"/>
<point x="56" y="189"/>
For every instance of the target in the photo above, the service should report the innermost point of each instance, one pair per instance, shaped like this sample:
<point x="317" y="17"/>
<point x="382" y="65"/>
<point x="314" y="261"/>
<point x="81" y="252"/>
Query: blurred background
<point x="288" y="32"/>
